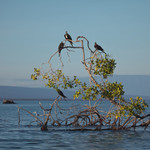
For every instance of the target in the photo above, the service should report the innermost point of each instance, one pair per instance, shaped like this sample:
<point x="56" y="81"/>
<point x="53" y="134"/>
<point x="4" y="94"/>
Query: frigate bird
<point x="60" y="93"/>
<point x="68" y="37"/>
<point x="98" y="47"/>
<point x="60" y="47"/>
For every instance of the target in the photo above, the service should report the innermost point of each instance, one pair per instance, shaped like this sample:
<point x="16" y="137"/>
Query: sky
<point x="31" y="30"/>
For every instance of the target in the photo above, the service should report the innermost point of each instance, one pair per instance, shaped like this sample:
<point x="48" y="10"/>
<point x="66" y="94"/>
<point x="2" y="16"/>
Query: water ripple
<point x="24" y="137"/>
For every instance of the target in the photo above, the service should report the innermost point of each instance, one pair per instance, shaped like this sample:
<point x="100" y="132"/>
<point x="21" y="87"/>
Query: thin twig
<point x="31" y="114"/>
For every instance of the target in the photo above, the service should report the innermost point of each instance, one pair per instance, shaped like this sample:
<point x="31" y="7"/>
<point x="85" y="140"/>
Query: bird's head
<point x="66" y="32"/>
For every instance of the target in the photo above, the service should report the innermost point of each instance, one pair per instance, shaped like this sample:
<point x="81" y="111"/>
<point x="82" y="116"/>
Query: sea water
<point x="25" y="137"/>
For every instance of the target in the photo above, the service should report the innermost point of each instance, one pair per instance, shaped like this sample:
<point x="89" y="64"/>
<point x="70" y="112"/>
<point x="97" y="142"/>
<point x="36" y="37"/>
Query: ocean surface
<point x="30" y="137"/>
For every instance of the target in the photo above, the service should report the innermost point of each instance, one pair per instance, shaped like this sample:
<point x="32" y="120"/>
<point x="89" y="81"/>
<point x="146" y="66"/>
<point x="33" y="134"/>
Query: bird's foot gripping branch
<point x="118" y="115"/>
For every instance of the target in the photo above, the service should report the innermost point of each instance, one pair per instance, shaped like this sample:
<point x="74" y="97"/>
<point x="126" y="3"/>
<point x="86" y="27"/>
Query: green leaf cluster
<point x="37" y="73"/>
<point x="104" y="66"/>
<point x="87" y="92"/>
<point x="58" y="79"/>
<point x="112" y="91"/>
<point x="135" y="107"/>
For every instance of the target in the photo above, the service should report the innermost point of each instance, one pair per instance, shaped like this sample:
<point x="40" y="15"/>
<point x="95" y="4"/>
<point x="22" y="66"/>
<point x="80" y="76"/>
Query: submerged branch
<point x="31" y="114"/>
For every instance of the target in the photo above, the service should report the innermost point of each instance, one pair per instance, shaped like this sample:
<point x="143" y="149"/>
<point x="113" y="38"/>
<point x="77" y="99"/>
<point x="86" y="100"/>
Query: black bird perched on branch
<point x="60" y="47"/>
<point x="98" y="47"/>
<point x="60" y="93"/>
<point x="68" y="37"/>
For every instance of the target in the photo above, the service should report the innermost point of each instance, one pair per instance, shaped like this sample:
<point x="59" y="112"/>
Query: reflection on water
<point x="27" y="138"/>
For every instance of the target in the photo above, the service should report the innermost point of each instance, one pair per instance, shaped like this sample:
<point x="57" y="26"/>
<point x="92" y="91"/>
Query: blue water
<point x="27" y="137"/>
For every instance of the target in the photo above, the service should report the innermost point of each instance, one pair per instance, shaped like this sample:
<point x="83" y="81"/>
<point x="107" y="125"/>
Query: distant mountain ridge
<point x="13" y="92"/>
<point x="134" y="85"/>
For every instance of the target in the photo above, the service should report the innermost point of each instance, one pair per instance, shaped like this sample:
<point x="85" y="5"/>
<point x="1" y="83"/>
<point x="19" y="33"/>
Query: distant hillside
<point x="13" y="92"/>
<point x="134" y="85"/>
